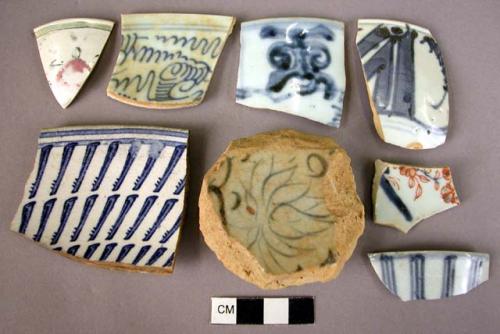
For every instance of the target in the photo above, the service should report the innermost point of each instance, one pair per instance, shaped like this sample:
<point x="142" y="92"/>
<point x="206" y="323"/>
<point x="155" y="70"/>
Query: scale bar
<point x="262" y="311"/>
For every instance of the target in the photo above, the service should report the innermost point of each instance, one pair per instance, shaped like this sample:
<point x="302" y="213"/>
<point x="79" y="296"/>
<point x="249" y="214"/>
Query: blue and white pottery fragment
<point x="294" y="65"/>
<point x="166" y="61"/>
<point x="112" y="196"/>
<point x="404" y="195"/>
<point x="406" y="82"/>
<point x="430" y="275"/>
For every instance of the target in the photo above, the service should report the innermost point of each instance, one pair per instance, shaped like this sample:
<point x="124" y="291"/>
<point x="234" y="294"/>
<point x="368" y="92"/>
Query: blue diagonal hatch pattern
<point x="112" y="195"/>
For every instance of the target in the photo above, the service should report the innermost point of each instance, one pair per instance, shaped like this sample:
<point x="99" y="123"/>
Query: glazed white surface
<point x="427" y="204"/>
<point x="467" y="272"/>
<point x="77" y="40"/>
<point x="428" y="80"/>
<point x="167" y="60"/>
<point x="254" y="70"/>
<point x="150" y="142"/>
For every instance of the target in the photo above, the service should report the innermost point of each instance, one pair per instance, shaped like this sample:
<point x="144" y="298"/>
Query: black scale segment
<point x="250" y="311"/>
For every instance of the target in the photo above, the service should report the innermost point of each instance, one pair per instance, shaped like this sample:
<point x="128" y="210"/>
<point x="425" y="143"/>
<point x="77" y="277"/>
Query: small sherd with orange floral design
<point x="404" y="195"/>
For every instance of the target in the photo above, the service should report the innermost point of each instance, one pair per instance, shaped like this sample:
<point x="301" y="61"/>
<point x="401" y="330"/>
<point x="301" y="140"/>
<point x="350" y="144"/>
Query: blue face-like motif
<point x="301" y="56"/>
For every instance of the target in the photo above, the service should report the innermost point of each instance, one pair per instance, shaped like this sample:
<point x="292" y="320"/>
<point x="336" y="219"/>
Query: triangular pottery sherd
<point x="69" y="50"/>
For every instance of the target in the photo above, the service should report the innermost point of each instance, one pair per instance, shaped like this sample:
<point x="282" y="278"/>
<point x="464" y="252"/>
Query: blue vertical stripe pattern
<point x="26" y="216"/>
<point x="42" y="164"/>
<point x="89" y="204"/>
<point x="87" y="159"/>
<point x="129" y="201"/>
<point x="180" y="186"/>
<point x="90" y="250"/>
<point x="430" y="275"/>
<point x="170" y="260"/>
<point x="107" y="251"/>
<point x="417" y="275"/>
<point x="108" y="207"/>
<point x="47" y="209"/>
<point x="140" y="255"/>
<point x="448" y="276"/>
<point x="132" y="153"/>
<point x="124" y="252"/>
<point x="154" y="153"/>
<point x="475" y="272"/>
<point x="166" y="237"/>
<point x="68" y="207"/>
<point x="388" y="273"/>
<point x="157" y="254"/>
<point x="148" y="203"/>
<point x="73" y="249"/>
<point x="66" y="157"/>
<point x="165" y="210"/>
<point x="176" y="156"/>
<point x="110" y="154"/>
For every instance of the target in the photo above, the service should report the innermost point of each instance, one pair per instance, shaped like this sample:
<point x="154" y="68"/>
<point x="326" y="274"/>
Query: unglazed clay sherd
<point x="111" y="196"/>
<point x="294" y="65"/>
<point x="404" y="195"/>
<point x="406" y="82"/>
<point x="69" y="50"/>
<point x="281" y="209"/>
<point x="430" y="274"/>
<point x="166" y="61"/>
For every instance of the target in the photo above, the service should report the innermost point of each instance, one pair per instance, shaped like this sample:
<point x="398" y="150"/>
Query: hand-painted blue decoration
<point x="129" y="201"/>
<point x="87" y="207"/>
<point x="42" y="164"/>
<point x="66" y="156"/>
<point x="417" y="275"/>
<point x="165" y="210"/>
<point x="450" y="262"/>
<point x="26" y="216"/>
<point x="304" y="70"/>
<point x="47" y="210"/>
<point x="148" y="203"/>
<point x="426" y="275"/>
<point x="112" y="149"/>
<point x="108" y="207"/>
<point x="404" y="195"/>
<point x="87" y="159"/>
<point x="113" y="196"/>
<point x="107" y="251"/>
<point x="300" y="56"/>
<point x="132" y="153"/>
<point x="68" y="206"/>
<point x="388" y="273"/>
<point x="401" y="62"/>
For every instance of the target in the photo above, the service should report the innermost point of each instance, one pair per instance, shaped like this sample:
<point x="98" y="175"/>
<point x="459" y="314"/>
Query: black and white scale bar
<point x="263" y="311"/>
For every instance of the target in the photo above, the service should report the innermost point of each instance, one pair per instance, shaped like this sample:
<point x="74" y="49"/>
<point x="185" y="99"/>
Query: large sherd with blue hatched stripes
<point x="112" y="196"/>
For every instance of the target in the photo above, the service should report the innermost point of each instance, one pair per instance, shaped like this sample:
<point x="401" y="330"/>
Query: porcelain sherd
<point x="404" y="195"/>
<point x="111" y="196"/>
<point x="293" y="65"/>
<point x="281" y="209"/>
<point x="427" y="275"/>
<point x="69" y="50"/>
<point x="167" y="60"/>
<point x="406" y="82"/>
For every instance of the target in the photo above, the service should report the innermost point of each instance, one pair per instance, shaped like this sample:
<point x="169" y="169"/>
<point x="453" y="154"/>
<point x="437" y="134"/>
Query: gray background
<point x="45" y="293"/>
